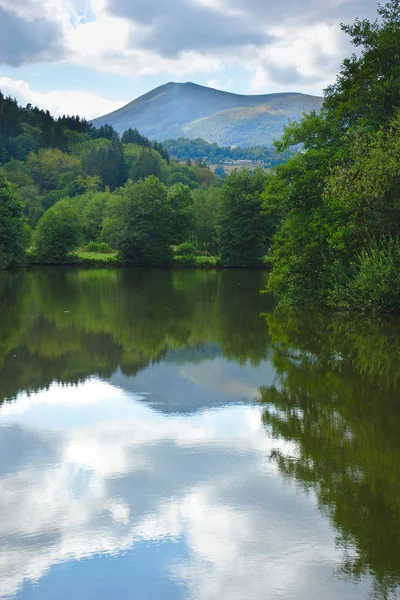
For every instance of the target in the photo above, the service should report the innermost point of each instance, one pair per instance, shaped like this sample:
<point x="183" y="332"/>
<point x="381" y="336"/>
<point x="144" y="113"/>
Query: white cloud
<point x="284" y="46"/>
<point x="304" y="57"/>
<point x="60" y="102"/>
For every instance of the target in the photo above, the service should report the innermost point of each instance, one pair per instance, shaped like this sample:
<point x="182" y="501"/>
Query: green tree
<point x="242" y="226"/>
<point x="93" y="214"/>
<point x="339" y="195"/>
<point x="12" y="225"/>
<point x="206" y="208"/>
<point x="180" y="199"/>
<point x="32" y="201"/>
<point x="58" y="233"/>
<point x="149" y="163"/>
<point x="138" y="222"/>
<point x="49" y="165"/>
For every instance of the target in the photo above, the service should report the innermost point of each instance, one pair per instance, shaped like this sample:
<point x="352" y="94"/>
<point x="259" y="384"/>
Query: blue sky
<point x="93" y="56"/>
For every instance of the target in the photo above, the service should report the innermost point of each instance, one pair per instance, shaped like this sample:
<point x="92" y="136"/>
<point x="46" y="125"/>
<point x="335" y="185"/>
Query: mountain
<point x="192" y="111"/>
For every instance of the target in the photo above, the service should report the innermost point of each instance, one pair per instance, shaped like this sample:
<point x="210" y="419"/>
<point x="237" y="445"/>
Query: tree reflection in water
<point x="337" y="396"/>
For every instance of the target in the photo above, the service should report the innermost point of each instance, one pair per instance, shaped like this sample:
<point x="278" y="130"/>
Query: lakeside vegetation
<point x="328" y="217"/>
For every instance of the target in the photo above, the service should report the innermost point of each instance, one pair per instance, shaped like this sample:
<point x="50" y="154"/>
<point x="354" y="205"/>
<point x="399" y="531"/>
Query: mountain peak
<point x="191" y="110"/>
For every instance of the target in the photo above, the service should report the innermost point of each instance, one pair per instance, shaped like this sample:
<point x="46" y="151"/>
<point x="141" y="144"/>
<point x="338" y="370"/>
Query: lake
<point x="174" y="435"/>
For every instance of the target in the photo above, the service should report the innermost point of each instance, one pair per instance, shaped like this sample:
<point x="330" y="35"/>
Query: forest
<point x="326" y="220"/>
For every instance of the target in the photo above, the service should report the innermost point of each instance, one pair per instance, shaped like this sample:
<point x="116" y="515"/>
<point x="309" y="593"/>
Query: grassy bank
<point x="111" y="259"/>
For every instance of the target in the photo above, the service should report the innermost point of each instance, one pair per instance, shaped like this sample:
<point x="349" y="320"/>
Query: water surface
<point x="172" y="434"/>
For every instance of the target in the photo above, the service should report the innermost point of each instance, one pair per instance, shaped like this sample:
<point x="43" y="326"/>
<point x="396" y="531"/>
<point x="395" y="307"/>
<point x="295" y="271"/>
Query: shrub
<point x="185" y="260"/>
<point x="58" y="233"/>
<point x="185" y="248"/>
<point x="374" y="280"/>
<point x="100" y="247"/>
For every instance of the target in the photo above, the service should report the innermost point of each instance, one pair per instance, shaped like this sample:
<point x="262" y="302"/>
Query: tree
<point x="49" y="165"/>
<point x="220" y="172"/>
<point x="12" y="225"/>
<point x="180" y="199"/>
<point x="149" y="163"/>
<point x="32" y="201"/>
<point x="339" y="194"/>
<point x="58" y="233"/>
<point x="242" y="237"/>
<point x="93" y="214"/>
<point x="132" y="136"/>
<point x="138" y="222"/>
<point x="206" y="207"/>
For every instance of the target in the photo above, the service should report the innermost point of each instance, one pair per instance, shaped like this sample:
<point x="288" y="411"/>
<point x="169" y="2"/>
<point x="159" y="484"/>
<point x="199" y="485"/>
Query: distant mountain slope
<point x="192" y="111"/>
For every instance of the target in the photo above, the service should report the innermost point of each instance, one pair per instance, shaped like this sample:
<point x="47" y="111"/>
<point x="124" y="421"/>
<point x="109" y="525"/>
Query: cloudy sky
<point x="93" y="56"/>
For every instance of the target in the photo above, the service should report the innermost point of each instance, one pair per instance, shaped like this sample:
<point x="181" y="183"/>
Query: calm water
<point x="172" y="435"/>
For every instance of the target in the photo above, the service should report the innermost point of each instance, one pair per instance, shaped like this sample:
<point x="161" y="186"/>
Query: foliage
<point x="98" y="247"/>
<point x="198" y="262"/>
<point x="58" y="233"/>
<point x="139" y="222"/>
<point x="339" y="196"/>
<point x="374" y="282"/>
<point x="206" y="210"/>
<point x="180" y="199"/>
<point x="93" y="214"/>
<point x="96" y="259"/>
<point x="68" y="160"/>
<point x="185" y="248"/>
<point x="13" y="234"/>
<point x="243" y="232"/>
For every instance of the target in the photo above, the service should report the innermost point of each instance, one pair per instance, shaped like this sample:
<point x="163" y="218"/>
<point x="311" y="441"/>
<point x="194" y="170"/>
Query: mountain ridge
<point x="191" y="110"/>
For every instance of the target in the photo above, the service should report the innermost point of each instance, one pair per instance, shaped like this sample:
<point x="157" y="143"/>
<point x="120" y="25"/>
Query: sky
<point x="90" y="57"/>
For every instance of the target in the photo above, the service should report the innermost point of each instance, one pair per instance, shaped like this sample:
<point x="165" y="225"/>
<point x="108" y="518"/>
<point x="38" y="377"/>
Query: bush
<point x="100" y="247"/>
<point x="202" y="262"/>
<point x="185" y="248"/>
<point x="374" y="280"/>
<point x="185" y="260"/>
<point x="58" y="233"/>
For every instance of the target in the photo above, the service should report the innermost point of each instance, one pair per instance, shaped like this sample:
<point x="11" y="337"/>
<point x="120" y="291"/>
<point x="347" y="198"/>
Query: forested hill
<point x="194" y="111"/>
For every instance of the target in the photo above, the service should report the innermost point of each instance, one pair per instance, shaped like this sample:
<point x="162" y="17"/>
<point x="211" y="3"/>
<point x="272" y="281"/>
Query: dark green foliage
<point x="180" y="199"/>
<point x="13" y="234"/>
<point x="163" y="152"/>
<point x="105" y="131"/>
<point x="132" y="136"/>
<point x="149" y="163"/>
<point x="139" y="223"/>
<point x="58" y="233"/>
<point x="108" y="163"/>
<point x="243" y="234"/>
<point x="373" y="282"/>
<point x="206" y="210"/>
<point x="339" y="197"/>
